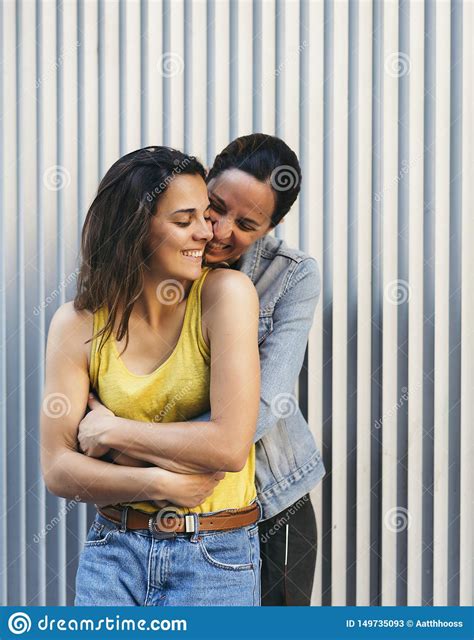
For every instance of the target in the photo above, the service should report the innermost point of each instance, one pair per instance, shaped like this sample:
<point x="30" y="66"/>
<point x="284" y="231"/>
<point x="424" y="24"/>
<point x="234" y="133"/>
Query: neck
<point x="161" y="297"/>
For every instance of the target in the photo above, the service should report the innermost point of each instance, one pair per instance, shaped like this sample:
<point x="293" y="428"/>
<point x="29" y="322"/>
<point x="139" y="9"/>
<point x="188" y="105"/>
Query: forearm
<point x="176" y="466"/>
<point x="74" y="475"/>
<point x="200" y="445"/>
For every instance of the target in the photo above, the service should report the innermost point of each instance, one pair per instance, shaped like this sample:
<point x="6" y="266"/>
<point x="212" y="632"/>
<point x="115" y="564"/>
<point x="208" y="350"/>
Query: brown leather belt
<point x="168" y="522"/>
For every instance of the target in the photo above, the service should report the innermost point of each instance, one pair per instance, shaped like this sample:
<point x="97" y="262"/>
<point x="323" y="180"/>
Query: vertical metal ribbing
<point x="442" y="311"/>
<point x="466" y="577"/>
<point x="389" y="303"/>
<point x="303" y="144"/>
<point x="166" y="37"/>
<point x="403" y="278"/>
<point x="37" y="586"/>
<point x="101" y="72"/>
<point x="428" y="302"/>
<point x="414" y="397"/>
<point x="339" y="221"/>
<point x="17" y="428"/>
<point x="3" y="339"/>
<point x="144" y="106"/>
<point x="400" y="212"/>
<point x="376" y="303"/>
<point x="363" y="214"/>
<point x="455" y="282"/>
<point x="279" y="80"/>
<point x="187" y="71"/>
<point x="352" y="237"/>
<point x="233" y="70"/>
<point x="122" y="77"/>
<point x="211" y="149"/>
<point x="326" y="293"/>
<point x="312" y="20"/>
<point x="257" y="67"/>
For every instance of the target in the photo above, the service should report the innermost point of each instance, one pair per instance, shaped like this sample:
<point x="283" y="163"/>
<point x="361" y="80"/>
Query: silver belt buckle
<point x="170" y="520"/>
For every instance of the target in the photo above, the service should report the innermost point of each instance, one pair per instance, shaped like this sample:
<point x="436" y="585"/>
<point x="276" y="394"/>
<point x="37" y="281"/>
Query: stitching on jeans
<point x="227" y="567"/>
<point x="148" y="586"/>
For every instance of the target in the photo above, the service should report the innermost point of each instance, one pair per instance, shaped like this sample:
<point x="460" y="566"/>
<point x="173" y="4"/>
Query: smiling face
<point x="241" y="211"/>
<point x="180" y="229"/>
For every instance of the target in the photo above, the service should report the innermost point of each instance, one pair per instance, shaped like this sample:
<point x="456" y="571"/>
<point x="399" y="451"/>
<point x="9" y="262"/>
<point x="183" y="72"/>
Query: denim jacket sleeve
<point x="282" y="352"/>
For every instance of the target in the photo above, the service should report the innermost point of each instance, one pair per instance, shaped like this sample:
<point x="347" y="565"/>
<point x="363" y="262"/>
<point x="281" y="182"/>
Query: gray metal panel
<point x="65" y="112"/>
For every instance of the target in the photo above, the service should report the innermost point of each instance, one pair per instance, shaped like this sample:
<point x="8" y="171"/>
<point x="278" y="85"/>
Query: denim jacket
<point x="288" y="462"/>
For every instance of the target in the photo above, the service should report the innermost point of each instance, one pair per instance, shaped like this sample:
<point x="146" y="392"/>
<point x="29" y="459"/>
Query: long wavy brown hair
<point x="116" y="229"/>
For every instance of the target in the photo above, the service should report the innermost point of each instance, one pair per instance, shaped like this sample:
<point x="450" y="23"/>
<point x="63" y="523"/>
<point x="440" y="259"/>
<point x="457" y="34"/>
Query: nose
<point x="222" y="229"/>
<point x="204" y="231"/>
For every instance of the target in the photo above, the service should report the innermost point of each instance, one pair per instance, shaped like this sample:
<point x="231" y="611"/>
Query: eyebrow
<point x="222" y="202"/>
<point x="191" y="211"/>
<point x="219" y="199"/>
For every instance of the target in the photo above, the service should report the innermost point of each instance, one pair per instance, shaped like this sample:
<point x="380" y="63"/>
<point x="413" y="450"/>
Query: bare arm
<point x="66" y="471"/>
<point x="231" y="306"/>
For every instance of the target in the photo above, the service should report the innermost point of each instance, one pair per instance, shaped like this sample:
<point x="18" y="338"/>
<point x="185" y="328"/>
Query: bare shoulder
<point x="72" y="327"/>
<point x="229" y="286"/>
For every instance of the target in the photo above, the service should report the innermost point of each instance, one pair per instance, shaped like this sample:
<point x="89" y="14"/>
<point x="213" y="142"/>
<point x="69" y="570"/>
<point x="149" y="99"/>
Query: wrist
<point x="158" y="483"/>
<point x="107" y="436"/>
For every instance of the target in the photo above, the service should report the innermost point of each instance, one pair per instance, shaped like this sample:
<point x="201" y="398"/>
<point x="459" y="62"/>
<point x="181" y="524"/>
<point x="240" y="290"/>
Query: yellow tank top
<point x="175" y="392"/>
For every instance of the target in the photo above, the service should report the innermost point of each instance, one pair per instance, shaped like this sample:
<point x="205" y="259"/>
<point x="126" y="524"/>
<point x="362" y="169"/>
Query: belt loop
<point x="195" y="535"/>
<point x="123" y="526"/>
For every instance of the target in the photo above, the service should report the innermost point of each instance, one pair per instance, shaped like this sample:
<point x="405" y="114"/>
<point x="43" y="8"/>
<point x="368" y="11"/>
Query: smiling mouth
<point x="197" y="254"/>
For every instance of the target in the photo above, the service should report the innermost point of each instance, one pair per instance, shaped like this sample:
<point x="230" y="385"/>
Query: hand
<point x="91" y="428"/>
<point x="188" y="490"/>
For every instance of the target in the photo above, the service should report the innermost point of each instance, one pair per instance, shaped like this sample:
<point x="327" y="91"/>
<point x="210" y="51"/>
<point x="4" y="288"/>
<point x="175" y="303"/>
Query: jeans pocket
<point x="228" y="550"/>
<point x="100" y="533"/>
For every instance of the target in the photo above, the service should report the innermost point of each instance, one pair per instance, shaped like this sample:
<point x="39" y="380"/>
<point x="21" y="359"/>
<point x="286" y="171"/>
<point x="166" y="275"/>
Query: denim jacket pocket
<point x="265" y="327"/>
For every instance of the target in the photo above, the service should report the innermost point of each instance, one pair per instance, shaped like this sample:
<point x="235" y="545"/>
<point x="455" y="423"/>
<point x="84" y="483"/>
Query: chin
<point x="211" y="258"/>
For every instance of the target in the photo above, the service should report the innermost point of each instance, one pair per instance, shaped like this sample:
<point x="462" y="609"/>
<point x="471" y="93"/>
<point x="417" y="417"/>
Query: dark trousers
<point x="288" y="545"/>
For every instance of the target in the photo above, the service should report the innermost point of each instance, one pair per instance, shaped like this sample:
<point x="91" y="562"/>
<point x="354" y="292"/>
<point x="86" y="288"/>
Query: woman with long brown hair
<point x="157" y="338"/>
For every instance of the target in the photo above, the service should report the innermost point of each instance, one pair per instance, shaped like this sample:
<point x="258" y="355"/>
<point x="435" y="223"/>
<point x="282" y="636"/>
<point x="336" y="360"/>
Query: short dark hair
<point x="268" y="159"/>
<point x="116" y="230"/>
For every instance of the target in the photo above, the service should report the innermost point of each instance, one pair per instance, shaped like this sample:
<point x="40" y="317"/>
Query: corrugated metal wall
<point x="377" y="99"/>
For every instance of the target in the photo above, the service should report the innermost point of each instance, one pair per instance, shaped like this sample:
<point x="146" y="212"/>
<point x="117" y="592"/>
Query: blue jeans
<point x="132" y="568"/>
